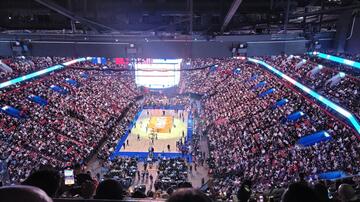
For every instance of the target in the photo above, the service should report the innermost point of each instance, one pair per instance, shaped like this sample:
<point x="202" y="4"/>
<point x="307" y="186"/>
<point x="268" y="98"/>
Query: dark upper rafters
<point x="234" y="6"/>
<point x="162" y="15"/>
<point x="91" y="24"/>
<point x="325" y="11"/>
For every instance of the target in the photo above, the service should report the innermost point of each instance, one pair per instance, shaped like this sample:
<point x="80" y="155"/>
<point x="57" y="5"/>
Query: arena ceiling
<point x="207" y="17"/>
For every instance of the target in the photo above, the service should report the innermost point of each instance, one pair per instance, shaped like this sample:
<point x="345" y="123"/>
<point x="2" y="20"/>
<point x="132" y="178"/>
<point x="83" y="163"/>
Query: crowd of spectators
<point x="248" y="136"/>
<point x="346" y="55"/>
<point x="200" y="80"/>
<point x="163" y="100"/>
<point x="71" y="127"/>
<point x="346" y="92"/>
<point x="172" y="173"/>
<point x="122" y="169"/>
<point x="119" y="130"/>
<point x="336" y="65"/>
<point x="23" y="65"/>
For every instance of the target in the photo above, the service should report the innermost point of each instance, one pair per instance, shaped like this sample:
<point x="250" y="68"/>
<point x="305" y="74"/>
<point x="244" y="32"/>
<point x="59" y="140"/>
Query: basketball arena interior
<point x="180" y="100"/>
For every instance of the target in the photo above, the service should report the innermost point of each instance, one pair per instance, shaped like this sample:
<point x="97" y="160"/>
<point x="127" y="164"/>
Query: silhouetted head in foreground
<point x="21" y="193"/>
<point x="47" y="180"/>
<point x="109" y="189"/>
<point x="188" y="195"/>
<point x="244" y="192"/>
<point x="321" y="192"/>
<point x="346" y="193"/>
<point x="299" y="192"/>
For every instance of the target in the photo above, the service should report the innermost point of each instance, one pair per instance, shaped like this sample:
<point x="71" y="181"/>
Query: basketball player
<point x="168" y="146"/>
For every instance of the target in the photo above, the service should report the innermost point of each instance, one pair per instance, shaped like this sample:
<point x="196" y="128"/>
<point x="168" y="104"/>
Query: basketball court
<point x="159" y="129"/>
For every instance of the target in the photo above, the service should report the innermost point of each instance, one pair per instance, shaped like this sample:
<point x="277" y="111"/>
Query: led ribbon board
<point x="350" y="117"/>
<point x="41" y="72"/>
<point x="337" y="59"/>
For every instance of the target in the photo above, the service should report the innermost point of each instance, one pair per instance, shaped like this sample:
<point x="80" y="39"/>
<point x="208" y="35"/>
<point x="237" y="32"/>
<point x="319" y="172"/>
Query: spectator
<point x="109" y="189"/>
<point x="47" y="180"/>
<point x="88" y="189"/>
<point x="21" y="193"/>
<point x="188" y="195"/>
<point x="347" y="193"/>
<point x="321" y="192"/>
<point x="244" y="192"/>
<point x="298" y="192"/>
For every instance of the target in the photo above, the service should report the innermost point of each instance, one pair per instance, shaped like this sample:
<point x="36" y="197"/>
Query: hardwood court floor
<point x="163" y="139"/>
